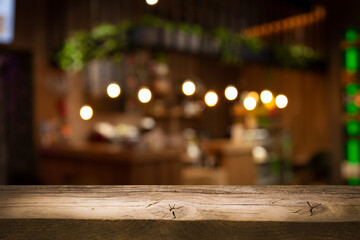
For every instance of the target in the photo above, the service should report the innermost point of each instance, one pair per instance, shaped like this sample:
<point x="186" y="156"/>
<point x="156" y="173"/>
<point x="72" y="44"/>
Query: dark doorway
<point x="17" y="158"/>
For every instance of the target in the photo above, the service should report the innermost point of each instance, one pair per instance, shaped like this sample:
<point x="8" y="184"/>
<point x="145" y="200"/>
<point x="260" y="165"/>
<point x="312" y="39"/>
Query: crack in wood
<point x="297" y="211"/>
<point x="150" y="204"/>
<point x="172" y="208"/>
<point x="275" y="201"/>
<point x="312" y="207"/>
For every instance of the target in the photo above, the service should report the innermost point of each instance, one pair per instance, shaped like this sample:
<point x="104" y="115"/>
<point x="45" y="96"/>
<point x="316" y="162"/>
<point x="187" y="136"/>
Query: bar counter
<point x="108" y="164"/>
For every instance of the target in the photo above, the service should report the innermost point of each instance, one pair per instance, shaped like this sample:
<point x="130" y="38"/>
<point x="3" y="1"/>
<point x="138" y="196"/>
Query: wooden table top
<point x="143" y="212"/>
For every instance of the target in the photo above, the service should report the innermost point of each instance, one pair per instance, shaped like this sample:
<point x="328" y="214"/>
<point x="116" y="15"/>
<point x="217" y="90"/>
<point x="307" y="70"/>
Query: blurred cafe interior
<point x="236" y="92"/>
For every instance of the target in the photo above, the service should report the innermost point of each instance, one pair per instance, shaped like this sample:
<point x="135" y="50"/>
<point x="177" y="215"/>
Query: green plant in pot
<point x="254" y="44"/>
<point x="168" y="34"/>
<point x="230" y="45"/>
<point x="195" y="38"/>
<point x="147" y="31"/>
<point x="182" y="36"/>
<point x="295" y="55"/>
<point x="189" y="37"/>
<point x="110" y="39"/>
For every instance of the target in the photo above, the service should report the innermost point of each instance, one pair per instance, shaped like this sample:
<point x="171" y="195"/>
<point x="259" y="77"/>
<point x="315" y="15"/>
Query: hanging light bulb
<point x="151" y="2"/>
<point x="231" y="93"/>
<point x="86" y="112"/>
<point x="281" y="101"/>
<point x="211" y="98"/>
<point x="188" y="88"/>
<point x="144" y="95"/>
<point x="266" y="96"/>
<point x="249" y="103"/>
<point x="113" y="90"/>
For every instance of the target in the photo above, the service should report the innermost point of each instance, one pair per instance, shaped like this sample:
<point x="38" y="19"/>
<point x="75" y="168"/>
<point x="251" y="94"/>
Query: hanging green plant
<point x="168" y="25"/>
<point x="295" y="55"/>
<point x="112" y="40"/>
<point x="104" y="41"/>
<point x="230" y="45"/>
<point x="109" y="40"/>
<point x="150" y="21"/>
<point x="190" y="28"/>
<point x="75" y="52"/>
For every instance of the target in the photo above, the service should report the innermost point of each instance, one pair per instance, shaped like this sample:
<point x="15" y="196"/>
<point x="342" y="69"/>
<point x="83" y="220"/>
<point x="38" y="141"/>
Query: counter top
<point x="180" y="212"/>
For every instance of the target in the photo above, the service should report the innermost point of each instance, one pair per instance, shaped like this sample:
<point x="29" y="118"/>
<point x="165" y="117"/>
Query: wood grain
<point x="179" y="212"/>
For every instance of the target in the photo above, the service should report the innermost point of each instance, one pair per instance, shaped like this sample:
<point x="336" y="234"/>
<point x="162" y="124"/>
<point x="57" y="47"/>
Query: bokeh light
<point x="188" y="88"/>
<point x="281" y="101"/>
<point x="254" y="95"/>
<point x="351" y="35"/>
<point x="86" y="112"/>
<point x="249" y="103"/>
<point x="144" y="95"/>
<point x="259" y="154"/>
<point x="211" y="98"/>
<point x="352" y="127"/>
<point x="353" y="151"/>
<point x="357" y="100"/>
<point x="351" y="59"/>
<point x="231" y="93"/>
<point x="151" y="2"/>
<point x="148" y="123"/>
<point x="113" y="90"/>
<point x="351" y="108"/>
<point x="266" y="96"/>
<point x="351" y="89"/>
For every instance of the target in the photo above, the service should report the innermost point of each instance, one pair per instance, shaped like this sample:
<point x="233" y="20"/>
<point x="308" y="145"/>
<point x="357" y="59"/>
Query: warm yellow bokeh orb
<point x="249" y="103"/>
<point x="266" y="96"/>
<point x="254" y="95"/>
<point x="151" y="2"/>
<point x="113" y="90"/>
<point x="144" y="95"/>
<point x="281" y="101"/>
<point x="231" y="93"/>
<point x="86" y="112"/>
<point x="211" y="98"/>
<point x="188" y="88"/>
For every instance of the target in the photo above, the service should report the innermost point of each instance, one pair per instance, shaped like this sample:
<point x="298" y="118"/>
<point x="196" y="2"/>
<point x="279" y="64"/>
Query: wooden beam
<point x="179" y="212"/>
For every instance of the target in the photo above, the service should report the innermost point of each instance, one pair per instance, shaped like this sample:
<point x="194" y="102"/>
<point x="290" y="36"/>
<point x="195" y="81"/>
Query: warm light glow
<point x="249" y="103"/>
<point x="281" y="101"/>
<point x="260" y="154"/>
<point x="266" y="96"/>
<point x="144" y="95"/>
<point x="285" y="24"/>
<point x="231" y="93"/>
<point x="113" y="90"/>
<point x="188" y="88"/>
<point x="151" y="2"/>
<point x="254" y="95"/>
<point x="211" y="98"/>
<point x="86" y="112"/>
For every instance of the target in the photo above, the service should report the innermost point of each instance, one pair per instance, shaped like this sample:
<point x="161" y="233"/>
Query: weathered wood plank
<point x="180" y="212"/>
